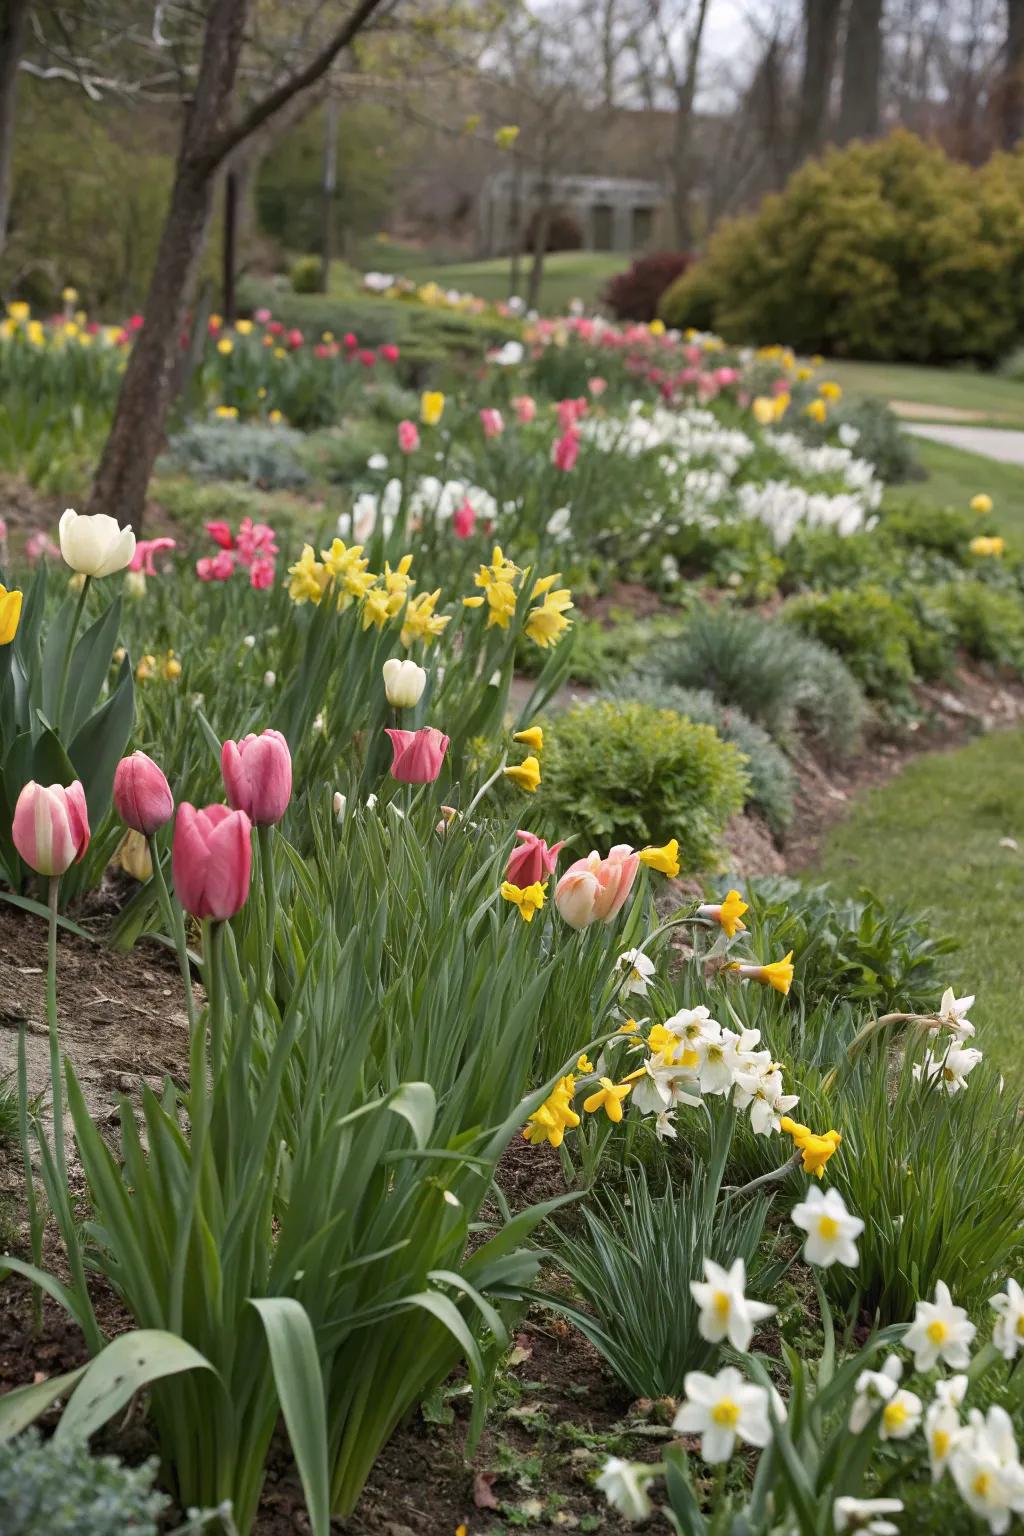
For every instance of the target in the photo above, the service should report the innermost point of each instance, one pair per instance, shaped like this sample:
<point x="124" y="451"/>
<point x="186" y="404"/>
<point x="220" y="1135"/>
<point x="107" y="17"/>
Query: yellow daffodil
<point x="308" y="578"/>
<point x="506" y="137"/>
<point x="657" y="327"/>
<point x="275" y="418"/>
<point x="10" y="614"/>
<point x="727" y="913"/>
<point x="501" y="604"/>
<point x="19" y="311"/>
<point x="803" y="374"/>
<point x="815" y="1150"/>
<point x="778" y="974"/>
<point x="431" y="407"/>
<point x="279" y="352"/>
<point x="532" y="738"/>
<point x="780" y="406"/>
<point x="609" y="1097"/>
<point x="817" y="410"/>
<point x="817" y="360"/>
<point x="170" y="667"/>
<point x="830" y="390"/>
<point x="629" y="1028"/>
<point x="764" y="410"/>
<point x="145" y="669"/>
<point x="421" y="622"/>
<point x="499" y="570"/>
<point x="225" y="346"/>
<point x="546" y="625"/>
<point x="528" y="898"/>
<point x="584" y="1064"/>
<point x="227" y="412"/>
<point x="69" y="295"/>
<point x="554" y="1117"/>
<point x="243" y="327"/>
<point x="988" y="546"/>
<point x="526" y="774"/>
<point x="982" y="504"/>
<point x="347" y="569"/>
<point x="673" y="1051"/>
<point x="664" y="859"/>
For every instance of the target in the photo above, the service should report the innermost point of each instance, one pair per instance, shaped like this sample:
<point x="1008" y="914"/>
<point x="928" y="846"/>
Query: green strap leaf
<point x="20" y="1408"/>
<point x="415" y="1102"/>
<point x="112" y="1379"/>
<point x="300" y="1389"/>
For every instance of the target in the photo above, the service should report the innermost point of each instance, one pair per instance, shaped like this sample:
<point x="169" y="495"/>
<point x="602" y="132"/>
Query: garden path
<point x="1002" y="443"/>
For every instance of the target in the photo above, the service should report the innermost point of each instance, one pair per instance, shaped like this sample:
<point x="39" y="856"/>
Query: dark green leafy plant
<point x="869" y="629"/>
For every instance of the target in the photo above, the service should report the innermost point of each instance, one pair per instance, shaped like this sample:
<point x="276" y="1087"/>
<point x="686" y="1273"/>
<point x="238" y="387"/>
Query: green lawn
<point x="567" y="274"/>
<point x="954" y="476"/>
<point x="995" y="400"/>
<point x="930" y="840"/>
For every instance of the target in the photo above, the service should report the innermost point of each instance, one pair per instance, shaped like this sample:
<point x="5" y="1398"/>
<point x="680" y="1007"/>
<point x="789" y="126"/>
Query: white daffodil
<point x="942" y="1426"/>
<point x="950" y="1068"/>
<point x="95" y="545"/>
<point x="1008" y="1328"/>
<point x="832" y="1231"/>
<point x="624" y="1484"/>
<point x="715" y="1069"/>
<point x="761" y="1092"/>
<point x="693" y="1026"/>
<point x="987" y="1470"/>
<point x="664" y="1127"/>
<point x="638" y="968"/>
<point x="723" y="1409"/>
<point x="725" y="1312"/>
<point x="665" y="1085"/>
<point x="952" y="1015"/>
<point x="866" y="1515"/>
<point x="874" y="1388"/>
<point x="940" y="1331"/>
<point x="900" y="1416"/>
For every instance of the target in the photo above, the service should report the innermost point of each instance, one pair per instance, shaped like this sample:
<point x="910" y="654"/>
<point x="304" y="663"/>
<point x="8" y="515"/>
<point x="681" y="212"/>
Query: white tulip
<point x="404" y="683"/>
<point x="624" y="1485"/>
<point x="940" y="1331"/>
<point x="269" y="679"/>
<point x="724" y="1310"/>
<point x="339" y="804"/>
<point x="832" y="1231"/>
<point x="95" y="545"/>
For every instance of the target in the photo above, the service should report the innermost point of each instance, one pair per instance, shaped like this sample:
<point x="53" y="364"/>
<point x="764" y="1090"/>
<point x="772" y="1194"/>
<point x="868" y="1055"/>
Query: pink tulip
<point x="525" y="408"/>
<point x="533" y="861"/>
<point x="142" y="795"/>
<point x="597" y="386"/>
<point x="491" y="421"/>
<point x="389" y="352"/>
<point x="464" y="520"/>
<point x="294" y="338"/>
<point x="258" y="776"/>
<point x="212" y="860"/>
<point x="780" y="386"/>
<point x="261" y="316"/>
<point x="39" y="545"/>
<point x="255" y="539"/>
<point x="261" y="573"/>
<point x="51" y="826"/>
<point x="408" y="436"/>
<point x="221" y="534"/>
<point x="595" y="889"/>
<point x="418" y="755"/>
<point x="145" y="549"/>
<point x="217" y="569"/>
<point x="565" y="451"/>
<point x="367" y="358"/>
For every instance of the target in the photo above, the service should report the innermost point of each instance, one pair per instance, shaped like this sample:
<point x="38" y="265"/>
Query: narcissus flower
<point x="1008" y="1328"/>
<point x="987" y="1471"/>
<point x="421" y="622"/>
<point x="308" y="577"/>
<point x="815" y="1150"/>
<point x="526" y="774"/>
<point x="528" y="898"/>
<point x="431" y="407"/>
<point x="95" y="545"/>
<point x="940" y="1332"/>
<point x="723" y="1409"/>
<point x="608" y="1096"/>
<point x="763" y="408"/>
<point x="900" y="1416"/>
<point x="982" y="504"/>
<point x="830" y="390"/>
<point x="637" y="968"/>
<point x="728" y="913"/>
<point x="832" y="1231"/>
<point x="554" y="1117"/>
<point x="418" y="755"/>
<point x="532" y="738"/>
<point x="546" y="624"/>
<point x="624" y="1484"/>
<point x="817" y="410"/>
<point x="866" y="1515"/>
<point x="51" y="826"/>
<point x="778" y="974"/>
<point x="725" y="1312"/>
<point x="664" y="859"/>
<point x="10" y="614"/>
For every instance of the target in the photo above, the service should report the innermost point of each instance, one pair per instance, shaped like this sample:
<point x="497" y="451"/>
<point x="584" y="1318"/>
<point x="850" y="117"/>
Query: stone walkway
<point x="1002" y="443"/>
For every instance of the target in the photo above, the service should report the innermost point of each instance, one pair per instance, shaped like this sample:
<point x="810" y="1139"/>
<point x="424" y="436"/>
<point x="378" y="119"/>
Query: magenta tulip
<point x="212" y="860"/>
<point x="51" y="826"/>
<point x="142" y="795"/>
<point x="418" y="755"/>
<point x="533" y="862"/>
<point x="408" y="436"/>
<point x="258" y="776"/>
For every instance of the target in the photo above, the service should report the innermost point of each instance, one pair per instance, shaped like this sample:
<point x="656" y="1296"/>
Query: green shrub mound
<point x="306" y="274"/>
<point x="870" y="629"/>
<point x="633" y="773"/>
<point x="263" y="456"/>
<point x="791" y="685"/>
<point x="771" y="775"/>
<point x="62" y="1490"/>
<point x="883" y="250"/>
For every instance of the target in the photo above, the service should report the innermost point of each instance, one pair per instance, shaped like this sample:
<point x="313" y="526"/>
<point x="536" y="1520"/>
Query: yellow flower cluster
<point x="815" y="1150"/>
<point x="167" y="666"/>
<point x="528" y="898"/>
<point x="502" y="582"/>
<point x="555" y="1116"/>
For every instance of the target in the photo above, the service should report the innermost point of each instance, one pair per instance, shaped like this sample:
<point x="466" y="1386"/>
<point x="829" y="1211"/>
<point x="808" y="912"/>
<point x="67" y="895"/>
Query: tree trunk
<point x="229" y="307"/>
<point x="682" y="137"/>
<point x="541" y="225"/>
<point x="13" y="16"/>
<point x="516" y="228"/>
<point x="1011" y="114"/>
<point x="862" y="70"/>
<point x="821" y="26"/>
<point x="330" y="184"/>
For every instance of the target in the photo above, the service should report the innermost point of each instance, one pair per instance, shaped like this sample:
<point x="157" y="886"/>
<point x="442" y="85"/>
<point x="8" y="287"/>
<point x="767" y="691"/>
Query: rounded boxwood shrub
<point x="636" y="293"/>
<point x="306" y="275"/>
<point x="871" y="631"/>
<point x="888" y="250"/>
<point x="634" y="773"/>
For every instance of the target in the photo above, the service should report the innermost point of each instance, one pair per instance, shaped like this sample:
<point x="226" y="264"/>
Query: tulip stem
<point x="68" y="653"/>
<point x="56" y="1081"/>
<point x="265" y="838"/>
<point x="213" y="975"/>
<point x="35" y="1226"/>
<point x="776" y="1176"/>
<point x="486" y="785"/>
<point x="175" y="920"/>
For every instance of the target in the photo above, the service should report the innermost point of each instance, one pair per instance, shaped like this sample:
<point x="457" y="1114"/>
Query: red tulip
<point x="258" y="776"/>
<point x="142" y="795"/>
<point x="389" y="352"/>
<point x="533" y="862"/>
<point x="464" y="520"/>
<point x="221" y="534"/>
<point x="212" y="860"/>
<point x="51" y="826"/>
<point x="418" y="755"/>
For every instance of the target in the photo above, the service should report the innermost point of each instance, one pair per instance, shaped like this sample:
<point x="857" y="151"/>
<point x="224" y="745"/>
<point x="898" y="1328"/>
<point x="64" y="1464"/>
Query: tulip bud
<point x="404" y="682"/>
<point x="142" y="795"/>
<point x="533" y="862"/>
<point x="212" y="860"/>
<point x="95" y="545"/>
<point x="258" y="776"/>
<point x="339" y="805"/>
<point x="51" y="826"/>
<point x="418" y="755"/>
<point x="408" y="436"/>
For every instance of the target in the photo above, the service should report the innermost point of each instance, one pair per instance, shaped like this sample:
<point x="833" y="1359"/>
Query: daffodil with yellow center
<point x="664" y="859"/>
<point x="526" y="774"/>
<point x="499" y="570"/>
<point x="554" y="1117"/>
<point x="532" y="737"/>
<point x="584" y="1064"/>
<point x="657" y="327"/>
<point x="227" y="412"/>
<point x="10" y="613"/>
<point x="777" y="975"/>
<point x="609" y="1097"/>
<point x="225" y="346"/>
<point x="763" y="408"/>
<point x="528" y="898"/>
<point x="780" y="406"/>
<point x="347" y="569"/>
<point x="830" y="390"/>
<point x="243" y="327"/>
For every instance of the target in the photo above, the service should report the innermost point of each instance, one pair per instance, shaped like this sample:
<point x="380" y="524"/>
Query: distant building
<point x="614" y="213"/>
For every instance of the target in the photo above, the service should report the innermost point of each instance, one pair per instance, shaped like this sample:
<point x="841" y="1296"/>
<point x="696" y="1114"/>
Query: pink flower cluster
<point x="253" y="549"/>
<point x="146" y="550"/>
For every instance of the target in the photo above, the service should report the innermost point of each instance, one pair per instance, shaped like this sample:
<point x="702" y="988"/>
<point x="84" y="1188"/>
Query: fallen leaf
<point x="483" y="1491"/>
